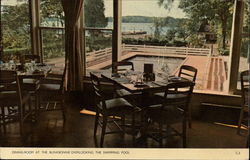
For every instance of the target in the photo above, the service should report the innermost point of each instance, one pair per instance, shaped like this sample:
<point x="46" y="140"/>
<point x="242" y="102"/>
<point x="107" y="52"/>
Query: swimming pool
<point x="160" y="63"/>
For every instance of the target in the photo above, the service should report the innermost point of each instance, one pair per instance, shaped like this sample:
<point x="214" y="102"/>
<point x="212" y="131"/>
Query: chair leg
<point x="3" y="119"/>
<point x="240" y="120"/>
<point x="39" y="101"/>
<point x="133" y="128"/>
<point x="103" y="129"/>
<point x="21" y="107"/>
<point x="123" y="124"/>
<point x="184" y="133"/>
<point x="63" y="110"/>
<point x="161" y="135"/>
<point x="96" y="122"/>
<point x="189" y="120"/>
<point x="36" y="105"/>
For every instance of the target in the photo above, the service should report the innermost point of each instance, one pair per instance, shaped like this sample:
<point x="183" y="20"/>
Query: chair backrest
<point x="96" y="84"/>
<point x="244" y="78"/>
<point x="188" y="72"/>
<point x="30" y="57"/>
<point x="122" y="66"/>
<point x="178" y="94"/>
<point x="56" y="78"/>
<point x="9" y="82"/>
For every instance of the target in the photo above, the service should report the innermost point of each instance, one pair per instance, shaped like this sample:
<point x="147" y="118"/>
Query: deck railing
<point x="96" y="57"/>
<point x="167" y="50"/>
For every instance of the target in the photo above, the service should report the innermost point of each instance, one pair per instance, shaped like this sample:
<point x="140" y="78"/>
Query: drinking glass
<point x="139" y="77"/>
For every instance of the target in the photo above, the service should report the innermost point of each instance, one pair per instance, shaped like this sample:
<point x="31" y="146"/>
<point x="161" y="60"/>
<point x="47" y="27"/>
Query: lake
<point x="138" y="27"/>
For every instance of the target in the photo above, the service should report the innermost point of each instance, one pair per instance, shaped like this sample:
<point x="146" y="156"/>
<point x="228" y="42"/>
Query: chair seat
<point x="31" y="84"/>
<point x="10" y="98"/>
<point x="49" y="87"/>
<point x="117" y="106"/>
<point x="168" y="115"/>
<point x="122" y="92"/>
<point x="170" y="95"/>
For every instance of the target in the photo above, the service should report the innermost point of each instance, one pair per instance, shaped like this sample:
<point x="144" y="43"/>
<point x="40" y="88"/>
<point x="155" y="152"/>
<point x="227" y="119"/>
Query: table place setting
<point x="31" y="69"/>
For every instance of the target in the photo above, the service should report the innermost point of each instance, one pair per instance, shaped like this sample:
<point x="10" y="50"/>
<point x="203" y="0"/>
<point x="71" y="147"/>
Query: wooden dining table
<point x="41" y="72"/>
<point x="29" y="79"/>
<point x="128" y="83"/>
<point x="140" y="93"/>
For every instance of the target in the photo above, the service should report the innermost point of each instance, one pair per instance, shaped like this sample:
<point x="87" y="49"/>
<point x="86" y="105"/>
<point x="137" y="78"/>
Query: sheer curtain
<point x="73" y="47"/>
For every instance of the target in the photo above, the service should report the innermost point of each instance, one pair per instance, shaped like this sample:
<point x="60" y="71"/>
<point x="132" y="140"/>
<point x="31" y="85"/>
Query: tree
<point x="52" y="10"/>
<point x="94" y="13"/>
<point x="218" y="12"/>
<point x="16" y="26"/>
<point x="158" y="24"/>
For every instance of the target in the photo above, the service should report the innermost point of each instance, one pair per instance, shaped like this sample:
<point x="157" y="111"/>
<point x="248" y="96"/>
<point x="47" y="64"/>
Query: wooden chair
<point x="51" y="93"/>
<point x="110" y="108"/>
<point x="121" y="67"/>
<point x="244" y="78"/>
<point x="30" y="84"/>
<point x="12" y="96"/>
<point x="173" y="109"/>
<point x="189" y="73"/>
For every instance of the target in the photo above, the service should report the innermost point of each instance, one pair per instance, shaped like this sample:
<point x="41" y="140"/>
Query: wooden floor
<point x="77" y="131"/>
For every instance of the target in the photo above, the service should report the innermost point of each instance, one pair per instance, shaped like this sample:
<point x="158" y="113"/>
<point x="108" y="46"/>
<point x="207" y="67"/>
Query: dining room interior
<point x="71" y="76"/>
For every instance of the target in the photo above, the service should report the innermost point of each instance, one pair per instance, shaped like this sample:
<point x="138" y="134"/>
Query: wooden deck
<point x="211" y="70"/>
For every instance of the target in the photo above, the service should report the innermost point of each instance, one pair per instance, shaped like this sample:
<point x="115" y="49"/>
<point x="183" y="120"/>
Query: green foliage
<point x="154" y="41"/>
<point x="158" y="24"/>
<point x="52" y="11"/>
<point x="53" y="44"/>
<point x="94" y="13"/>
<point x="16" y="35"/>
<point x="15" y="26"/>
<point x="98" y="40"/>
<point x="224" y="52"/>
<point x="217" y="12"/>
<point x="137" y="19"/>
<point x="94" y="17"/>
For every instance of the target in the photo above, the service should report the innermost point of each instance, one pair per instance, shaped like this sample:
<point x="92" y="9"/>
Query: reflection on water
<point x="138" y="27"/>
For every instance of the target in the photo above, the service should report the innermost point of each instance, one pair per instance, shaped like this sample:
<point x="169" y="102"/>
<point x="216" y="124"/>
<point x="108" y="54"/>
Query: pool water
<point x="160" y="64"/>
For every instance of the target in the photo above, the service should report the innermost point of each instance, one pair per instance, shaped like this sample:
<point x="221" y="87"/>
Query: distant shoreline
<point x="144" y="19"/>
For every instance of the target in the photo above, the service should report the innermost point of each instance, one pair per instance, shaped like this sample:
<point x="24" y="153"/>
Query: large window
<point x="184" y="30"/>
<point x="52" y="33"/>
<point x="15" y="26"/>
<point x="245" y="43"/>
<point x="98" y="26"/>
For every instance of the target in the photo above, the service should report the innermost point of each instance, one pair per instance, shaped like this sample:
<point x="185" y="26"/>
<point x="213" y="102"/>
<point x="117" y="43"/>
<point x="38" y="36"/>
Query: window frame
<point x="116" y="32"/>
